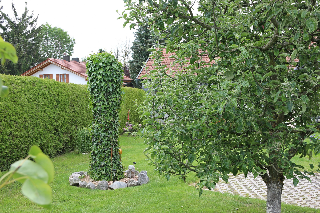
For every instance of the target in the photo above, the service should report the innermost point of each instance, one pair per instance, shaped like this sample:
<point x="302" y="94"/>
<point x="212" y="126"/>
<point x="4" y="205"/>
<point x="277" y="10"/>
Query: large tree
<point x="22" y="32"/>
<point x="253" y="109"/>
<point x="55" y="42"/>
<point x="140" y="49"/>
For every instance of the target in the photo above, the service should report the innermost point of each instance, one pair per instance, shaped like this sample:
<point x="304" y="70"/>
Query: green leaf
<point x="37" y="191"/>
<point x="192" y="60"/>
<point x="45" y="162"/>
<point x="289" y="106"/>
<point x="229" y="75"/>
<point x="295" y="181"/>
<point x="311" y="166"/>
<point x="280" y="66"/>
<point x="312" y="24"/>
<point x="276" y="96"/>
<point x="294" y="54"/>
<point x="297" y="36"/>
<point x="7" y="51"/>
<point x="29" y="169"/>
<point x="304" y="107"/>
<point x="233" y="46"/>
<point x="34" y="151"/>
<point x="305" y="36"/>
<point x="235" y="171"/>
<point x="4" y="91"/>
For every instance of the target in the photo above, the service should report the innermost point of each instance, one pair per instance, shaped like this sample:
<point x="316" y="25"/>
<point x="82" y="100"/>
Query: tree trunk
<point x="274" y="191"/>
<point x="274" y="181"/>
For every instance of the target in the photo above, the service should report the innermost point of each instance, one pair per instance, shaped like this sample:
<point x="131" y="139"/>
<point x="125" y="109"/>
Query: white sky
<point x="92" y="23"/>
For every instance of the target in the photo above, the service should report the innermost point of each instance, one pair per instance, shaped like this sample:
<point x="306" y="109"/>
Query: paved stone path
<point x="306" y="193"/>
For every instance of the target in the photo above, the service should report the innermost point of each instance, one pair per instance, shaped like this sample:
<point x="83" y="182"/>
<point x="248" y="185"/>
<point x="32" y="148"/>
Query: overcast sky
<point x="92" y="23"/>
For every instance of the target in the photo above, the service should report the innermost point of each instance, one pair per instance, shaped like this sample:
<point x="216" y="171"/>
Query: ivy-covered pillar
<point x="104" y="77"/>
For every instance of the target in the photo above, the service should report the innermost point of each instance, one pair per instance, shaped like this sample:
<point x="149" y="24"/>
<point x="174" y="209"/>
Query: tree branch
<point x="275" y="35"/>
<point x="257" y="81"/>
<point x="182" y="16"/>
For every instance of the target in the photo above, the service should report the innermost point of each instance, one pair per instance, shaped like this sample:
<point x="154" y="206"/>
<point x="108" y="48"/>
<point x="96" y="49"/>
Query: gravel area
<point x="306" y="193"/>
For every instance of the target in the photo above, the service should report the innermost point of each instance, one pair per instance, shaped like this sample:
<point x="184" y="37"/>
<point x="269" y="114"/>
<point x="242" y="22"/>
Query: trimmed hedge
<point x="40" y="112"/>
<point x="84" y="140"/>
<point x="132" y="98"/>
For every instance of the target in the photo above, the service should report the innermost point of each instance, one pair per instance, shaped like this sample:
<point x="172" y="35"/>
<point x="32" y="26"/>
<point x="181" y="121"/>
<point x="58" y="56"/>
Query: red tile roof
<point x="78" y="68"/>
<point x="126" y="78"/>
<point x="168" y="61"/>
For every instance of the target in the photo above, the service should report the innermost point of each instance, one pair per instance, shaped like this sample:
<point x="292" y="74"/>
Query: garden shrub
<point x="132" y="98"/>
<point x="104" y="74"/>
<point x="83" y="140"/>
<point x="40" y="112"/>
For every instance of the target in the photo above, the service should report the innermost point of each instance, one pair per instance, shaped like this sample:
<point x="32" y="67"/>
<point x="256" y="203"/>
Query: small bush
<point x="83" y="141"/>
<point x="131" y="129"/>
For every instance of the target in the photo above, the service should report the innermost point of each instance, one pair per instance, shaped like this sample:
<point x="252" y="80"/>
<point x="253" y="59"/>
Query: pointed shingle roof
<point x="168" y="61"/>
<point x="77" y="68"/>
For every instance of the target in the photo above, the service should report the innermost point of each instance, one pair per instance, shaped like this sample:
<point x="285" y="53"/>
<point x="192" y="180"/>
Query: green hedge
<point x="40" y="112"/>
<point x="84" y="140"/>
<point x="132" y="98"/>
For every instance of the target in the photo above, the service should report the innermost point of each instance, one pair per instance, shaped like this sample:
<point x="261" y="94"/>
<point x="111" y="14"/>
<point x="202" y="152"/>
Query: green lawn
<point x="315" y="160"/>
<point x="159" y="195"/>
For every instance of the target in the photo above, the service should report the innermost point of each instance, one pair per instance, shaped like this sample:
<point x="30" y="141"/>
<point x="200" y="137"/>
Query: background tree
<point x="55" y="42"/>
<point x="22" y="32"/>
<point x="249" y="111"/>
<point x="142" y="43"/>
<point x="122" y="53"/>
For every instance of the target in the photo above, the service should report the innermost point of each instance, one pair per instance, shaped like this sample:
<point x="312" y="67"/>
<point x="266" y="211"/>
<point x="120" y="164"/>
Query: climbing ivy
<point x="104" y="77"/>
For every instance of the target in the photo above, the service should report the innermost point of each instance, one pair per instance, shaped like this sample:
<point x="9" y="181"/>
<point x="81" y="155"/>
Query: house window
<point x="63" y="77"/>
<point x="48" y="76"/>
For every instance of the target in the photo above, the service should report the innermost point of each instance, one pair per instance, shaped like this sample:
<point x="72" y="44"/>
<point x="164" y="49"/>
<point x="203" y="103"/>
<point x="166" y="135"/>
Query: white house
<point x="60" y="70"/>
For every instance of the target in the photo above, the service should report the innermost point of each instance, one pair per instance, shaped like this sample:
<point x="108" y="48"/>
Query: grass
<point x="159" y="195"/>
<point x="305" y="161"/>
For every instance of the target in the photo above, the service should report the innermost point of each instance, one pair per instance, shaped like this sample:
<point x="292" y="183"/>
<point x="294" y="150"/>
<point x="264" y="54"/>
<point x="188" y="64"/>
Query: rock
<point x="132" y="182"/>
<point x="143" y="178"/>
<point x="90" y="185"/>
<point x="75" y="177"/>
<point x="131" y="172"/>
<point x="103" y="185"/>
<point x="118" y="185"/>
<point x="83" y="184"/>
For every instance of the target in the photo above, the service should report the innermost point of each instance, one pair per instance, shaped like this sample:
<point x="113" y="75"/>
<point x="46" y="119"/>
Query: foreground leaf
<point x="45" y="162"/>
<point x="29" y="169"/>
<point x="34" y="151"/>
<point x="37" y="191"/>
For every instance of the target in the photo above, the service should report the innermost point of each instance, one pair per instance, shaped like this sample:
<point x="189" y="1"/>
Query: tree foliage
<point x="22" y="32"/>
<point x="249" y="111"/>
<point x="140" y="49"/>
<point x="104" y="78"/>
<point x="55" y="42"/>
